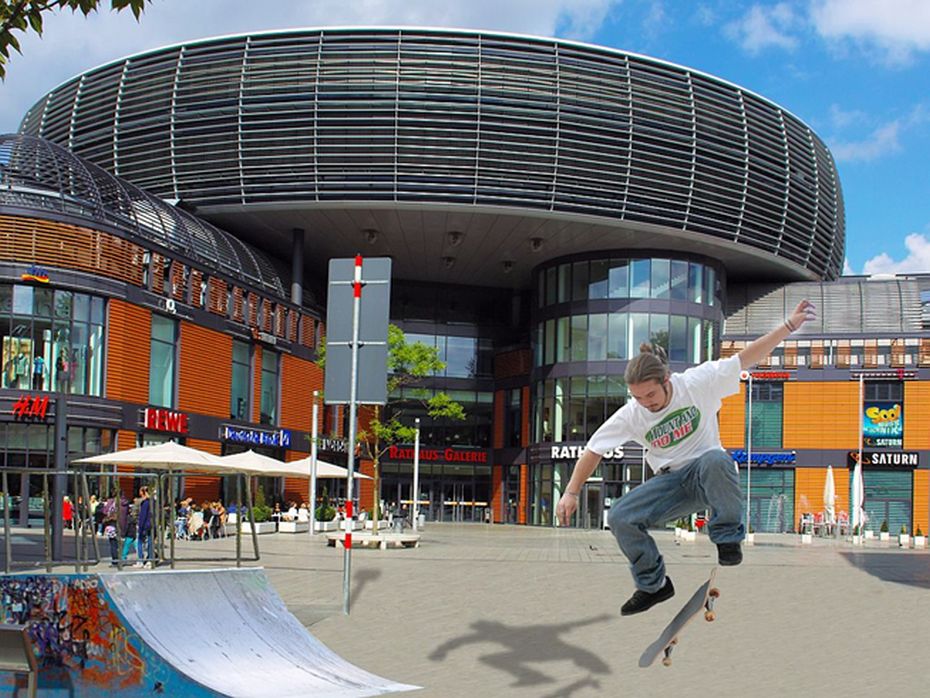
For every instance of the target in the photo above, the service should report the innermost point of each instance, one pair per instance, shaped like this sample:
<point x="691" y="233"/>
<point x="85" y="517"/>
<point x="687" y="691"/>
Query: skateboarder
<point x="674" y="417"/>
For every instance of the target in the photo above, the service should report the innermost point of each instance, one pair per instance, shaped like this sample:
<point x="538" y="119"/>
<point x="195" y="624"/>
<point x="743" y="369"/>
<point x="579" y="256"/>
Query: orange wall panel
<point x="204" y="371"/>
<point x="821" y="415"/>
<point x="733" y="419"/>
<point x="299" y="378"/>
<point x="497" y="494"/>
<point x="129" y="343"/>
<point x="257" y="384"/>
<point x="916" y="416"/>
<point x="524" y="492"/>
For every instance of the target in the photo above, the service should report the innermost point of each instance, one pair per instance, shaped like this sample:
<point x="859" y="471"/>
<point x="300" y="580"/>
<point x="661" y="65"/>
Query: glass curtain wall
<point x="163" y="373"/>
<point x="51" y="340"/>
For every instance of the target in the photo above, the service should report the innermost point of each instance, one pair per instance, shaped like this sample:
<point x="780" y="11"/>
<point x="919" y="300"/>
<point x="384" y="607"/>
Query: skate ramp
<point x="178" y="633"/>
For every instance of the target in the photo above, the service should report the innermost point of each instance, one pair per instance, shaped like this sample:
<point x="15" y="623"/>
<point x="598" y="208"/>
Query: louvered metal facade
<point x="453" y="117"/>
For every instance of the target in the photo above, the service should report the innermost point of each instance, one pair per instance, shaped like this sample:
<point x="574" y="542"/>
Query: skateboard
<point x="702" y="600"/>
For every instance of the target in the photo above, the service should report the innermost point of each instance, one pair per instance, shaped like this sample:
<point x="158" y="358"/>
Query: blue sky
<point x="856" y="71"/>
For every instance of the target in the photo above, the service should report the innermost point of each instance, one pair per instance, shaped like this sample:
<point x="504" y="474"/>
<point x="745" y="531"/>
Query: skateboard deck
<point x="702" y="600"/>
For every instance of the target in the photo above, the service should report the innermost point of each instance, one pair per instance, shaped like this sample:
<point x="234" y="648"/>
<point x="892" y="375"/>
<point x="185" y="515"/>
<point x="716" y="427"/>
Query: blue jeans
<point x="710" y="481"/>
<point x="144" y="545"/>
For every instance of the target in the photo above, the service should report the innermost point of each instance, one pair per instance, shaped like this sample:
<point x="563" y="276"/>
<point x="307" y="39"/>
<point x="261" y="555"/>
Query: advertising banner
<point x="883" y="425"/>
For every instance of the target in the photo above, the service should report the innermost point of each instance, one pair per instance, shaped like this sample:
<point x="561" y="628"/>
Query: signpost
<point x="356" y="356"/>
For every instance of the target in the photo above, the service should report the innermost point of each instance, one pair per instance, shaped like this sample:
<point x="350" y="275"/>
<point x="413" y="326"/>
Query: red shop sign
<point x="158" y="419"/>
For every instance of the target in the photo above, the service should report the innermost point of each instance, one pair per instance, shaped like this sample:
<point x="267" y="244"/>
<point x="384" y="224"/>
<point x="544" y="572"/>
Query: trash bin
<point x="398" y="524"/>
<point x="421" y="519"/>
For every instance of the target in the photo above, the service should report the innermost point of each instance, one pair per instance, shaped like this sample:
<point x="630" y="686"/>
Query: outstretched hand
<point x="566" y="507"/>
<point x="803" y="312"/>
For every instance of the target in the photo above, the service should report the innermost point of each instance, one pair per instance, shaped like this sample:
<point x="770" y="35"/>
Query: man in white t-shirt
<point x="674" y="417"/>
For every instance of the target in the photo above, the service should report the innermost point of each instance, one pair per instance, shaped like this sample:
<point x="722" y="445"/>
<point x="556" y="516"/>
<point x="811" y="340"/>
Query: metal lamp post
<point x="747" y="376"/>
<point x="416" y="471"/>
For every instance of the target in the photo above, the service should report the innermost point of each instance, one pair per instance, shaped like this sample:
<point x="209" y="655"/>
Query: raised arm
<point x="569" y="501"/>
<point x="764" y="345"/>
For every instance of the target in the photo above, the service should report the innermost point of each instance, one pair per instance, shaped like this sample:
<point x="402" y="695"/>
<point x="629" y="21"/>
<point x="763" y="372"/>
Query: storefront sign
<point x="883" y="424"/>
<point x="157" y="419"/>
<point x="894" y="374"/>
<point x="885" y="459"/>
<point x="439" y="455"/>
<point x="768" y="375"/>
<point x="35" y="273"/>
<point x="331" y="445"/>
<point x="574" y="453"/>
<point x="256" y="437"/>
<point x="30" y="407"/>
<point x="764" y="458"/>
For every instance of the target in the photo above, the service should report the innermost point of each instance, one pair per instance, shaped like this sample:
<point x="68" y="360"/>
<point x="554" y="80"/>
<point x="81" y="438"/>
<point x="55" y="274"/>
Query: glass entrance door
<point x="456" y="502"/>
<point x="592" y="506"/>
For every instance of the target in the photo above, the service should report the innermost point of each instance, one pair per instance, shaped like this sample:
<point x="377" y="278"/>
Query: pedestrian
<point x="67" y="512"/>
<point x="144" y="530"/>
<point x="108" y="510"/>
<point x="673" y="416"/>
<point x="126" y="523"/>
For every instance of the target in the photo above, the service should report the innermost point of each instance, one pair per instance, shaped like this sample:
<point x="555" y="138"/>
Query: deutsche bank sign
<point x="256" y="437"/>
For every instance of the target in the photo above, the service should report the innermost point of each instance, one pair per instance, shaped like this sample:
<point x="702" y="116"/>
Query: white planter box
<point x="807" y="538"/>
<point x="689" y="536"/>
<point x="904" y="540"/>
<point x="293" y="527"/>
<point x="326" y="526"/>
<point x="920" y="541"/>
<point x="884" y="536"/>
<point x="869" y="535"/>
<point x="750" y="539"/>
<point x="260" y="528"/>
<point x="232" y="518"/>
<point x="369" y="525"/>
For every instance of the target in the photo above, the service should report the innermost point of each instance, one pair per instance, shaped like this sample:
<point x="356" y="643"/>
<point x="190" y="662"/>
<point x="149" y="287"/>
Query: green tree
<point x="23" y="16"/>
<point x="408" y="364"/>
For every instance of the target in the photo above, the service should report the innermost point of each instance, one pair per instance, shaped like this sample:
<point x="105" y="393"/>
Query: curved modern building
<point x="548" y="205"/>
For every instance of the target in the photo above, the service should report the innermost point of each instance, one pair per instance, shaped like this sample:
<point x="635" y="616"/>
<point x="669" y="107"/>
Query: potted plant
<point x="904" y="540"/>
<point x="750" y="536"/>
<point x="261" y="512"/>
<point x="883" y="534"/>
<point x="856" y="537"/>
<point x="919" y="540"/>
<point x="689" y="534"/>
<point x="679" y="527"/>
<point x="325" y="514"/>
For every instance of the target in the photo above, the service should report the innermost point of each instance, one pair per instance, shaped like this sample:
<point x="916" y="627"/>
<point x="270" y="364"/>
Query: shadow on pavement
<point x="912" y="570"/>
<point x="360" y="580"/>
<point x="532" y="644"/>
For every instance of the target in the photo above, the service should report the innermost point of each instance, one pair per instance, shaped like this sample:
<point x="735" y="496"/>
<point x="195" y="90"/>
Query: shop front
<point x="771" y="478"/>
<point x="551" y="466"/>
<point x="454" y="482"/>
<point x="888" y="477"/>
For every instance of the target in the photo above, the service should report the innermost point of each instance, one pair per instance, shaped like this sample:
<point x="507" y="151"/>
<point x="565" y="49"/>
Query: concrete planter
<point x="856" y="540"/>
<point x="884" y="536"/>
<point x="293" y="527"/>
<point x="326" y="526"/>
<point x="750" y="539"/>
<point x="920" y="541"/>
<point x="689" y="536"/>
<point x="261" y="527"/>
<point x="869" y="535"/>
<point x="904" y="540"/>
<point x="807" y="538"/>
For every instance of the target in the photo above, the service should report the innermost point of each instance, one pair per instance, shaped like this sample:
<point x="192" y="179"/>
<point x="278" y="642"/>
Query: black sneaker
<point x="642" y="600"/>
<point x="729" y="554"/>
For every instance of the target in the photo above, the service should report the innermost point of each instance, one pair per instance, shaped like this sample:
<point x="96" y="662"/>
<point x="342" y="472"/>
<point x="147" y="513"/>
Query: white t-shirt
<point x="686" y="428"/>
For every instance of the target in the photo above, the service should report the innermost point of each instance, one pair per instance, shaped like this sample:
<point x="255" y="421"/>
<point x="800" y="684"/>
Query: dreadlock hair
<point x="650" y="365"/>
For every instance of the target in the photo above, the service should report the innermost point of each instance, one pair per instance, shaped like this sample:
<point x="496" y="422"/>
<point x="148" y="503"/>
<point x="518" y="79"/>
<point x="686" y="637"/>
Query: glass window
<point x="678" y="338"/>
<point x="616" y="336"/>
<point x="22" y="300"/>
<point x="162" y="362"/>
<point x="709" y="286"/>
<point x="679" y="281"/>
<point x="598" y="280"/>
<point x="767" y="400"/>
<point x="694" y="340"/>
<point x="81" y="307"/>
<point x="594" y="405"/>
<point x="564" y="283"/>
<point x="461" y="357"/>
<point x="695" y="283"/>
<point x="616" y="394"/>
<point x="619" y="278"/>
<point x="540" y="289"/>
<point x="43" y="302"/>
<point x="597" y="337"/>
<point x="660" y="278"/>
<point x="512" y="417"/>
<point x="639" y="333"/>
<point x="538" y="353"/>
<point x="579" y="338"/>
<point x="658" y="330"/>
<point x="240" y="395"/>
<point x="562" y="347"/>
<point x="269" y="403"/>
<point x="580" y="281"/>
<point x="558" y="417"/>
<point x="550" y="342"/>
<point x="639" y="278"/>
<point x="551" y="287"/>
<point x="576" y="431"/>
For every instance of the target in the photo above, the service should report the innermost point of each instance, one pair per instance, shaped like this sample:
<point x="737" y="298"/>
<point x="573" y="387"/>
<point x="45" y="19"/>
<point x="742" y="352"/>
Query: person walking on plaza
<point x="144" y="529"/>
<point x="674" y="417"/>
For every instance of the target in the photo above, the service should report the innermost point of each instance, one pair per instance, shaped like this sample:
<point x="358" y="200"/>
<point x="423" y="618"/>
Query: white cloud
<point x="882" y="141"/>
<point x="765" y="27"/>
<point x="847" y="268"/>
<point x="917" y="259"/>
<point x="897" y="28"/>
<point x="841" y="118"/>
<point x="72" y="44"/>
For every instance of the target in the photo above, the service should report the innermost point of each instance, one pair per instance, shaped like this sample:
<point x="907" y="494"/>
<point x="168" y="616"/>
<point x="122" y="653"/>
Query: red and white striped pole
<point x="353" y="395"/>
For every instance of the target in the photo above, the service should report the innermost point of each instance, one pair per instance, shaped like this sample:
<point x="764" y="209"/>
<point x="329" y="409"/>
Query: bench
<point x="16" y="655"/>
<point x="380" y="540"/>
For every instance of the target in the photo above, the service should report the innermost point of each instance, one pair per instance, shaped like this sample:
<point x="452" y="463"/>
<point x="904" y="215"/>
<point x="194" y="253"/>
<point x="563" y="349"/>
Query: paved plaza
<point x="483" y="610"/>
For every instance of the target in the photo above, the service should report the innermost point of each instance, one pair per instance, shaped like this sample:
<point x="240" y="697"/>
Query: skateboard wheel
<point x="715" y="592"/>
<point x="709" y="616"/>
<point x="667" y="661"/>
